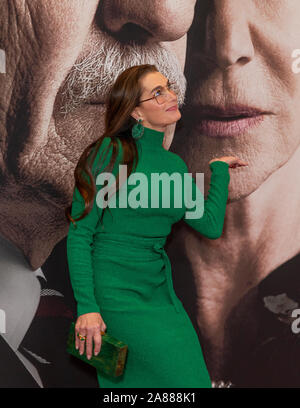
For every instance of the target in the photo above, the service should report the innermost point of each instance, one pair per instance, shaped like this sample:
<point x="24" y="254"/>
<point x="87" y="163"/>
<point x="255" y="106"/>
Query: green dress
<point x="120" y="269"/>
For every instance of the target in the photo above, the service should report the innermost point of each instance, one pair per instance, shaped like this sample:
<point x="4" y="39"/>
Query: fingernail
<point x="88" y="357"/>
<point x="80" y="352"/>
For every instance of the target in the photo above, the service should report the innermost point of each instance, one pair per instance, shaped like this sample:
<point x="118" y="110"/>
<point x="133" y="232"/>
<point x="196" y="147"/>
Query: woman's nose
<point x="146" y="20"/>
<point x="171" y="96"/>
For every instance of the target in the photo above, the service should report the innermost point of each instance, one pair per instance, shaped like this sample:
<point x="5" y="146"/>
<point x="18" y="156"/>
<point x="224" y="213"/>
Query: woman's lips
<point x="233" y="127"/>
<point x="216" y="122"/>
<point x="175" y="107"/>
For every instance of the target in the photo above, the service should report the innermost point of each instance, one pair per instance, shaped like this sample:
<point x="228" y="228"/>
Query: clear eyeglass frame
<point x="163" y="94"/>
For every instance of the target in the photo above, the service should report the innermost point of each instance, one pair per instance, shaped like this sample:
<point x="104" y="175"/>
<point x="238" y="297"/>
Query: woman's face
<point x="153" y="114"/>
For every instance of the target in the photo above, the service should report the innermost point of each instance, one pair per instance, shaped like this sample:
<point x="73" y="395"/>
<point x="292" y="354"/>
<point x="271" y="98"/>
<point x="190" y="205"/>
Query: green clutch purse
<point x="110" y="360"/>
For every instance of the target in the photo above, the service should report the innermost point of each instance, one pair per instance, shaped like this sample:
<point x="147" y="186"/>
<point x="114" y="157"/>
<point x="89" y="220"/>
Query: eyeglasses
<point x="161" y="95"/>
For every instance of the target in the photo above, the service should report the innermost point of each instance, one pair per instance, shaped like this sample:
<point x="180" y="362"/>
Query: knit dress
<point x="120" y="269"/>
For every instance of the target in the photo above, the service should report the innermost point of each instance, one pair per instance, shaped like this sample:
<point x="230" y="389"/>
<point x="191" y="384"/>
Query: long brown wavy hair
<point x="124" y="96"/>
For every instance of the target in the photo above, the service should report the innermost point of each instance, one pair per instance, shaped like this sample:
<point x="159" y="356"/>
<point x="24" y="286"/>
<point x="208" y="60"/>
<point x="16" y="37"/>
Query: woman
<point x="120" y="273"/>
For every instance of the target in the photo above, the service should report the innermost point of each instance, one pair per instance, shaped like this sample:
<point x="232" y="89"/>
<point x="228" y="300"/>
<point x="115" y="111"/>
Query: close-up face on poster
<point x="150" y="194"/>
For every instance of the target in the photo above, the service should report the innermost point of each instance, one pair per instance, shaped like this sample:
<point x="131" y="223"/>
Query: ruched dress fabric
<point x="120" y="269"/>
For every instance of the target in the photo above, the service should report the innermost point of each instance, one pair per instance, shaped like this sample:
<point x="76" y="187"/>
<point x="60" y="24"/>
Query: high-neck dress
<point x="120" y="269"/>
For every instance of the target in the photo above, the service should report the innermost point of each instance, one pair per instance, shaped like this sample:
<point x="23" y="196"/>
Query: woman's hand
<point x="232" y="161"/>
<point x="89" y="325"/>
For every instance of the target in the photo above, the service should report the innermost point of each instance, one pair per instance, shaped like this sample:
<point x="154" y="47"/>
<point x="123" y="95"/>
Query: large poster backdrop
<point x="58" y="60"/>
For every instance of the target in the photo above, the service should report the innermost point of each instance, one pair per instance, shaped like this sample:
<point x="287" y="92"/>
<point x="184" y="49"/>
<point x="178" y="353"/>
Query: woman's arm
<point x="211" y="223"/>
<point x="79" y="241"/>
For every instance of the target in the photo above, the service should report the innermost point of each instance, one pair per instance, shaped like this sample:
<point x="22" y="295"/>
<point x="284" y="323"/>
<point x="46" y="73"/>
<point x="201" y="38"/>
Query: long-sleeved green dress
<point x="121" y="270"/>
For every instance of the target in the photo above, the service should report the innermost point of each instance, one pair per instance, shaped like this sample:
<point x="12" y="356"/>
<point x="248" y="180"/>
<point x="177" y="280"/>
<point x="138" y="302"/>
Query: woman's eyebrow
<point x="159" y="86"/>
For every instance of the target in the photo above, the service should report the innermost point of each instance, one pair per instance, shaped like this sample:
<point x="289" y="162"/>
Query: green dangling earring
<point x="138" y="130"/>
